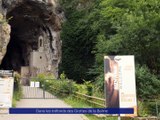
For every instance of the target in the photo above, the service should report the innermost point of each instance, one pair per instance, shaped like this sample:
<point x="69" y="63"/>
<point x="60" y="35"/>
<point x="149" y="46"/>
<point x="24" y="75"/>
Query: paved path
<point x="41" y="103"/>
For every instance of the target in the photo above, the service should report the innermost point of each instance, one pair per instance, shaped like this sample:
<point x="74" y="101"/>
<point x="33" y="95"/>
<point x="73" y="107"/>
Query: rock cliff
<point x="23" y="24"/>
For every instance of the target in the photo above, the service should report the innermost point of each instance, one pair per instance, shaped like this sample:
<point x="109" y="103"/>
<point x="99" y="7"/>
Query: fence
<point x="153" y="106"/>
<point x="65" y="88"/>
<point x="100" y="102"/>
<point x="91" y="99"/>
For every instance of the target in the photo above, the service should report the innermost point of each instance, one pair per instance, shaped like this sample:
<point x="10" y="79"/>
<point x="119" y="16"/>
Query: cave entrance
<point x="26" y="26"/>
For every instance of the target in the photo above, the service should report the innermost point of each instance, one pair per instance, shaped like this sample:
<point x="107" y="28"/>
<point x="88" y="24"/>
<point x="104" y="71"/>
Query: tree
<point x="78" y="40"/>
<point x="111" y="27"/>
<point x="129" y="27"/>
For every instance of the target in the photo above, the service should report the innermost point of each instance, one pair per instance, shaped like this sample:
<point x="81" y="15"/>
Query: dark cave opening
<point x="13" y="58"/>
<point x="26" y="26"/>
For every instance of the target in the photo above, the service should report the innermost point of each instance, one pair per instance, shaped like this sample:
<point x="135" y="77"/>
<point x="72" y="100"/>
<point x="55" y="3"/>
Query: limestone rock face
<point x="31" y="24"/>
<point x="4" y="36"/>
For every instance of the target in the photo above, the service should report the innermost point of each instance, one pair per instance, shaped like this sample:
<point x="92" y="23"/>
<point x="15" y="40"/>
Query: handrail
<point x="93" y="97"/>
<point x="90" y="99"/>
<point x="102" y="105"/>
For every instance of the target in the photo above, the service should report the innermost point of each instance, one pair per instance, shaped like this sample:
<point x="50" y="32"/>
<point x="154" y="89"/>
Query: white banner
<point x="120" y="87"/>
<point x="6" y="92"/>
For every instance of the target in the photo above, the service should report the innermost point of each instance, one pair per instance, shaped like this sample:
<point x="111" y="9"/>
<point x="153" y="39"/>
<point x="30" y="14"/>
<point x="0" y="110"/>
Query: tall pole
<point x="119" y="117"/>
<point x="156" y="108"/>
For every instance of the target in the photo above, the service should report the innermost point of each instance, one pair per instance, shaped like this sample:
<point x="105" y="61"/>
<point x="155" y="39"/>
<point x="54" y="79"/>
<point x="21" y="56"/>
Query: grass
<point x="76" y="103"/>
<point x="93" y="117"/>
<point x="16" y="97"/>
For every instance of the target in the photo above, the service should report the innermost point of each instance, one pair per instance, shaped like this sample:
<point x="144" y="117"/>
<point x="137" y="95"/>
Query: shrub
<point x="63" y="87"/>
<point x="17" y="85"/>
<point x="63" y="76"/>
<point x="17" y="93"/>
<point x="60" y="87"/>
<point x="147" y="83"/>
<point x="142" y="109"/>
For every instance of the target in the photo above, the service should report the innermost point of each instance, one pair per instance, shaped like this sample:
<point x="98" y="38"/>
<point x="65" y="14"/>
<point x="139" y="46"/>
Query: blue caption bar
<point x="71" y="110"/>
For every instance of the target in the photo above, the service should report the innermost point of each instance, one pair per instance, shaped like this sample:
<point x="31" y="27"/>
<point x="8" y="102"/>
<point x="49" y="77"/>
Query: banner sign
<point x="120" y="86"/>
<point x="70" y="111"/>
<point x="6" y="88"/>
<point x="7" y="73"/>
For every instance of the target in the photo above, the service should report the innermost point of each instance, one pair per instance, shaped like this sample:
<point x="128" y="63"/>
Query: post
<point x="44" y="90"/>
<point x="119" y="117"/>
<point x="156" y="108"/>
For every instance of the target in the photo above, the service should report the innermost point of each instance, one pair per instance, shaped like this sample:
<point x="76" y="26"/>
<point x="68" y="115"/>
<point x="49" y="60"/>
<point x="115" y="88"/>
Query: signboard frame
<point x="6" y="88"/>
<point x="120" y="84"/>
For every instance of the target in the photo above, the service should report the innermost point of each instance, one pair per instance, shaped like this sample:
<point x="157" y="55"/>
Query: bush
<point x="46" y="76"/>
<point x="17" y="85"/>
<point x="17" y="93"/>
<point x="60" y="87"/>
<point x="63" y="76"/>
<point x="81" y="88"/>
<point x="147" y="83"/>
<point x="63" y="85"/>
<point x="142" y="109"/>
<point x="152" y="108"/>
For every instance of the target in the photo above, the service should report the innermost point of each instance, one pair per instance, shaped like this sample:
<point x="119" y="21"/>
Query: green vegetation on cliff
<point x="94" y="28"/>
